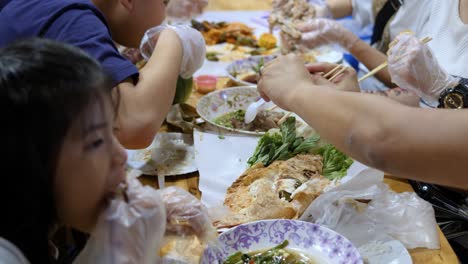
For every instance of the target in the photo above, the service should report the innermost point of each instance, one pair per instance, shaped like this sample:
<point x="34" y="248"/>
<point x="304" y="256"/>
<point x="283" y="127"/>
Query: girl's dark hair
<point x="44" y="87"/>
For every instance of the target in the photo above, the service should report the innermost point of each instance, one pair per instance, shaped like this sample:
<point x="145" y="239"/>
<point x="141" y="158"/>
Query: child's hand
<point x="185" y="8"/>
<point x="128" y="232"/>
<point x="192" y="41"/>
<point x="186" y="215"/>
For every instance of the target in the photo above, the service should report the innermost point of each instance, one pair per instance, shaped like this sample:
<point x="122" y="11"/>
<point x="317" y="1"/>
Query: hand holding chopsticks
<point x="385" y="64"/>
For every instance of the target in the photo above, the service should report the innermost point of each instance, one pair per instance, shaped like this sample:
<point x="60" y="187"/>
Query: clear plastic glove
<point x="185" y="8"/>
<point x="193" y="44"/>
<point x="412" y="66"/>
<point x="128" y="232"/>
<point x="321" y="9"/>
<point x="322" y="31"/>
<point x="186" y="215"/>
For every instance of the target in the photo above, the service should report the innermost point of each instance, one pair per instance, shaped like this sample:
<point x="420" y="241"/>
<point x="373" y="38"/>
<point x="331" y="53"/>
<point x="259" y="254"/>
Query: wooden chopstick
<point x="338" y="73"/>
<point x="328" y="74"/>
<point x="385" y="64"/>
<point x="339" y="69"/>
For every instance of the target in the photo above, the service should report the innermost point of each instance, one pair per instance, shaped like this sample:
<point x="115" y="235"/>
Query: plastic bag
<point x="364" y="210"/>
<point x="189" y="227"/>
<point x="128" y="232"/>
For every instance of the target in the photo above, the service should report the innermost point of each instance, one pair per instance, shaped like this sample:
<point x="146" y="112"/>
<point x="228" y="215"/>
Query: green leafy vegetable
<point x="273" y="255"/>
<point x="283" y="145"/>
<point x="286" y="144"/>
<point x="226" y="119"/>
<point x="260" y="64"/>
<point x="335" y="162"/>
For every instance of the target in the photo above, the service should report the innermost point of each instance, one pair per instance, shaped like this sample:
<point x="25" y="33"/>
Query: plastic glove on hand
<point x="128" y="231"/>
<point x="322" y="31"/>
<point x="412" y="66"/>
<point x="192" y="41"/>
<point x="185" y="8"/>
<point x="186" y="215"/>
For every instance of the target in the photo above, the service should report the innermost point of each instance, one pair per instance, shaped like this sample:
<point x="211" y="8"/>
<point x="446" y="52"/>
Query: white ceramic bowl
<point x="320" y="243"/>
<point x="220" y="102"/>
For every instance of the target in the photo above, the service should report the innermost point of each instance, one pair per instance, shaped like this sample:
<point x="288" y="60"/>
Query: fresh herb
<point x="221" y="137"/>
<point x="212" y="56"/>
<point x="274" y="255"/>
<point x="283" y="145"/>
<point x="258" y="67"/>
<point x="335" y="162"/>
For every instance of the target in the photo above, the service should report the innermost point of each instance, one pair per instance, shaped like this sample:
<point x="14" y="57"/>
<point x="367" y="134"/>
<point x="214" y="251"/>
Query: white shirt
<point x="10" y="254"/>
<point x="439" y="19"/>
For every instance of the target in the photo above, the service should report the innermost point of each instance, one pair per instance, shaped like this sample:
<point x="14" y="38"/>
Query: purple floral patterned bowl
<point x="320" y="243"/>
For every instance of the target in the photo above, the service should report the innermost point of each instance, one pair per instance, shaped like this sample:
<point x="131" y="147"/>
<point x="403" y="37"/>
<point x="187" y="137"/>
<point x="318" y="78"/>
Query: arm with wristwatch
<point x="413" y="66"/>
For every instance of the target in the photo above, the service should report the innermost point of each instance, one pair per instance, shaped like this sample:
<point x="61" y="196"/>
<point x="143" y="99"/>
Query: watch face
<point x="453" y="100"/>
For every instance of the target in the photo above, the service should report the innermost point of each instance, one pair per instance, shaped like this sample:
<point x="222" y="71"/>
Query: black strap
<point x="382" y="18"/>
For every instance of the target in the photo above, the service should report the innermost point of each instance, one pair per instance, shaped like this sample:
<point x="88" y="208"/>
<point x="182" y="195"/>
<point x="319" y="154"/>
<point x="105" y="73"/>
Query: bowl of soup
<point x="281" y="241"/>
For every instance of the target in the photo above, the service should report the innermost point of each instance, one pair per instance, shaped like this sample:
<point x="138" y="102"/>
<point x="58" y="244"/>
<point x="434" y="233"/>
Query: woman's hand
<point x="412" y="66"/>
<point x="322" y="31"/>
<point x="285" y="78"/>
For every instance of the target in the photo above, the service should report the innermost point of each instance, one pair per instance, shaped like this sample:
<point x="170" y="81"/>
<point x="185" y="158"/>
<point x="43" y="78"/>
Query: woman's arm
<point x="420" y="144"/>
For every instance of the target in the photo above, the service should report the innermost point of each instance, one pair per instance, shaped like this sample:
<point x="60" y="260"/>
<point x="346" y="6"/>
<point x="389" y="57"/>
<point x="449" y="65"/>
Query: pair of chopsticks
<point x="385" y="64"/>
<point x="332" y="74"/>
<point x="340" y="68"/>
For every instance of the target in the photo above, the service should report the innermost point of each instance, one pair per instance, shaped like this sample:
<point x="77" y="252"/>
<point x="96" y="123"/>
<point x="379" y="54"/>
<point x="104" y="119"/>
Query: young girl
<point x="63" y="164"/>
<point x="62" y="160"/>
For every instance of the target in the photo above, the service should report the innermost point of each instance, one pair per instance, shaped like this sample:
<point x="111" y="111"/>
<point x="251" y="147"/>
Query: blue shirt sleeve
<point x="83" y="29"/>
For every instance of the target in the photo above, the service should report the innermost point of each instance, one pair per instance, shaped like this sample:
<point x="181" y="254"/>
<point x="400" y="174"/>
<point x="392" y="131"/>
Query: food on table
<point x="282" y="190"/>
<point x="239" y="40"/>
<point x="264" y="121"/>
<point x="267" y="41"/>
<point x="181" y="249"/>
<point x="335" y="162"/>
<point x="287" y="14"/>
<point x="284" y="177"/>
<point x="234" y="33"/>
<point x="283" y="145"/>
<point x="279" y="255"/>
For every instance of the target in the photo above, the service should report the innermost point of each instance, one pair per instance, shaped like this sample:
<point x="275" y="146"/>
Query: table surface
<point x="189" y="182"/>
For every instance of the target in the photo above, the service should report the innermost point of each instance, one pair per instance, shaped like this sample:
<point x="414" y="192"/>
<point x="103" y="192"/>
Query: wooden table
<point x="189" y="182"/>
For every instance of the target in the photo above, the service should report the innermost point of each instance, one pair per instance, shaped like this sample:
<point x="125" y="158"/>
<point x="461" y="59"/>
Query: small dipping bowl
<point x="205" y="83"/>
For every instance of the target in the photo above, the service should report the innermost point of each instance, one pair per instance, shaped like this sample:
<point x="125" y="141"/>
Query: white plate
<point x="218" y="103"/>
<point x="239" y="69"/>
<point x="390" y="251"/>
<point x="320" y="243"/>
<point x="169" y="154"/>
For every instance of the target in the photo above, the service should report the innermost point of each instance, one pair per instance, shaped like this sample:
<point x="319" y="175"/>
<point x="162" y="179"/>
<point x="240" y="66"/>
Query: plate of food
<point x="169" y="154"/>
<point x="228" y="41"/>
<point x="282" y="241"/>
<point x="225" y="109"/>
<point x="244" y="71"/>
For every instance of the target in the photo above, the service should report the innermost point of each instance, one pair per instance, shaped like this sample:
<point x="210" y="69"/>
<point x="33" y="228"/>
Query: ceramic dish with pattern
<point x="318" y="243"/>
<point x="230" y="100"/>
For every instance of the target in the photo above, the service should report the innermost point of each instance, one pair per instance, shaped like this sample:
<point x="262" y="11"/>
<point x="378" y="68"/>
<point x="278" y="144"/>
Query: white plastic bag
<point x="128" y="232"/>
<point x="364" y="210"/>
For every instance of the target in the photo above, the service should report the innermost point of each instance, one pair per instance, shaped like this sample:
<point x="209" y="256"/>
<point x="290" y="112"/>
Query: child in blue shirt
<point x="145" y="96"/>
